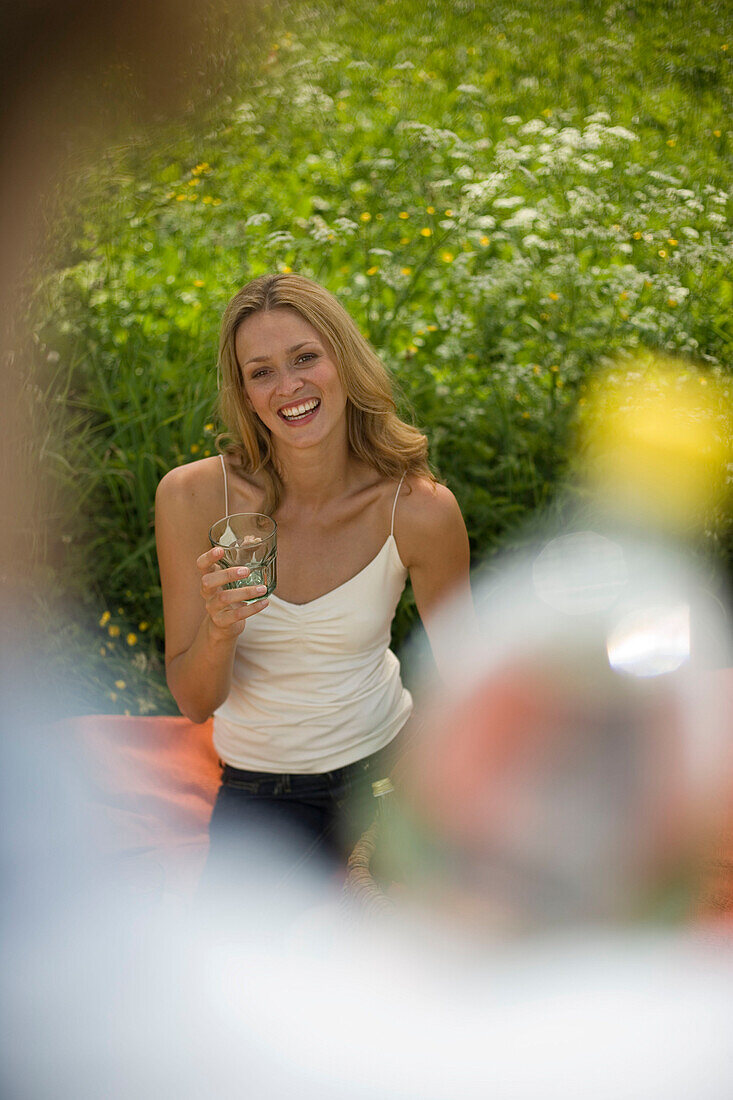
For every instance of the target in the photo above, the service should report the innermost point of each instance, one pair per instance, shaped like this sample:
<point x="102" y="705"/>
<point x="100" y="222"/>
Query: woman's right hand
<point x="227" y="613"/>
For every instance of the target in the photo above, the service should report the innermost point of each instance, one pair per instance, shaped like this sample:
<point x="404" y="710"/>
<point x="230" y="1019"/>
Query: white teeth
<point x="300" y="410"/>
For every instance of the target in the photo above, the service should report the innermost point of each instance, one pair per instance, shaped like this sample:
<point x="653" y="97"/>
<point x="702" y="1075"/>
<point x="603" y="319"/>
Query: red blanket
<point x="153" y="782"/>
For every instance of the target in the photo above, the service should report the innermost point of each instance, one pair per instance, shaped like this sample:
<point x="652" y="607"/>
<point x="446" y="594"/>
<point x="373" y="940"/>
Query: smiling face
<point x="290" y="378"/>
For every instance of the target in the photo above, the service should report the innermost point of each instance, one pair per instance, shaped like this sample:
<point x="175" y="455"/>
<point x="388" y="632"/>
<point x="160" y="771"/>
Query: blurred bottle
<point x="575" y="768"/>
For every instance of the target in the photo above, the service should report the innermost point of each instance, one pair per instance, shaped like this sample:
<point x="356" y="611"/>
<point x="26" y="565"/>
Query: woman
<point x="306" y="696"/>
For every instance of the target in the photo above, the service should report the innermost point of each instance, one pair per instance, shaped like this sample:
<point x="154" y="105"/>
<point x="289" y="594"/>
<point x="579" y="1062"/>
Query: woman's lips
<point x="296" y="417"/>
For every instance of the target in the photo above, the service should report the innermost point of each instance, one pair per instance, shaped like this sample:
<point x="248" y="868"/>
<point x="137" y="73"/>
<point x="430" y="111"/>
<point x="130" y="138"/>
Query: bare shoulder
<point x="196" y="484"/>
<point x="426" y="515"/>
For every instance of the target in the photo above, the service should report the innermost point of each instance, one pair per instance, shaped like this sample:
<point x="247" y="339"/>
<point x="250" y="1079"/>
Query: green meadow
<point x="503" y="195"/>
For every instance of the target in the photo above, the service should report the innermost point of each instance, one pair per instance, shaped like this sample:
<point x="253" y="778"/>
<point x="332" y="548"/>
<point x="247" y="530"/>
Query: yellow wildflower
<point x="547" y="112"/>
<point x="484" y="241"/>
<point x="366" y="216"/>
<point x="195" y="448"/>
<point x="216" y="202"/>
<point x="672" y="241"/>
<point x="623" y="314"/>
<point x="544" y="316"/>
<point x="717" y="133"/>
<point x="404" y="240"/>
<point x="206" y="199"/>
<point x="536" y="369"/>
<point x="638" y="235"/>
<point x="447" y="257"/>
<point x="403" y="214"/>
<point x="143" y="625"/>
<point x="724" y="47"/>
<point x="432" y="328"/>
<point x="448" y="213"/>
<point x="194" y="183"/>
<point x="113" y="631"/>
<point x="105" y="618"/>
<point x="426" y="232"/>
<point x="672" y="142"/>
<point x="120" y="684"/>
<point x="341" y="105"/>
<point x="430" y="209"/>
<point x="555" y="297"/>
<point x="412" y="349"/>
<point x="198" y="282"/>
<point x="208" y="427"/>
<point x="286" y="269"/>
<point x="406" y="270"/>
<point x="672" y="302"/>
<point x="623" y="295"/>
<point x="181" y="198"/>
<point x="648" y="283"/>
<point x="131" y="638"/>
<point x="663" y="253"/>
<point x="372" y="271"/>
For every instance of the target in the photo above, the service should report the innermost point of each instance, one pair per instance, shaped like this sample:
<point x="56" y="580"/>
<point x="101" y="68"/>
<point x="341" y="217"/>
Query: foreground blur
<point x="543" y="861"/>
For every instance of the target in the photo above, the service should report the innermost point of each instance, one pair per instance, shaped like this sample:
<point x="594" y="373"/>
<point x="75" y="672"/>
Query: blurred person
<point x="306" y="695"/>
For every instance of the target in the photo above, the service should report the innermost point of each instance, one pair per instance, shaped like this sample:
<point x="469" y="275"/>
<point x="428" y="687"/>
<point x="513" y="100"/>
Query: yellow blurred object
<point x="657" y="443"/>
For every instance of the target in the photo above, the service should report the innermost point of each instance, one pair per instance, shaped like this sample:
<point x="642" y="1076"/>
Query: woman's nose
<point x="289" y="381"/>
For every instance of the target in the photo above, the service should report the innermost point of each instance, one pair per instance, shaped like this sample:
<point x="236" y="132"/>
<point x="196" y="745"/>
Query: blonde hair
<point x="376" y="434"/>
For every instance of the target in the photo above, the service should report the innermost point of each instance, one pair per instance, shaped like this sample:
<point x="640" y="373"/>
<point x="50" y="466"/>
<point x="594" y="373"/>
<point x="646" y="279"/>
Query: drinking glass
<point x="248" y="538"/>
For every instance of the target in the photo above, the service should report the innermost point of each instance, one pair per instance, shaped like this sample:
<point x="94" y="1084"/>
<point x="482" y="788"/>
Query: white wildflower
<point x="623" y="133"/>
<point x="468" y="89"/>
<point x="346" y="226"/>
<point x="508" y="202"/>
<point x="569" y="135"/>
<point x="526" y="216"/>
<point x="534" y="126"/>
<point x="258" y="219"/>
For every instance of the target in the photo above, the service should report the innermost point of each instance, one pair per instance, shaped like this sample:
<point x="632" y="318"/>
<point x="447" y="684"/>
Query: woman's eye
<point x="258" y="373"/>
<point x="306" y="355"/>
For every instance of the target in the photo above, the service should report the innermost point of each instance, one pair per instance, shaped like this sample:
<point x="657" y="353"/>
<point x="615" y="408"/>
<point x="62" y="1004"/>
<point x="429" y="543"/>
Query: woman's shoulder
<point x="201" y="484"/>
<point x="193" y="481"/>
<point x="426" y="514"/>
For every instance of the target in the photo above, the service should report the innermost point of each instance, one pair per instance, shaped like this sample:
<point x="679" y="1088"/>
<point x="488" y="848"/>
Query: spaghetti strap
<point x="226" y="487"/>
<point x="394" y="506"/>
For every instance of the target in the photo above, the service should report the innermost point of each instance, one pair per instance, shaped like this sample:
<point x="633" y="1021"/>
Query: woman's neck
<point x="316" y="476"/>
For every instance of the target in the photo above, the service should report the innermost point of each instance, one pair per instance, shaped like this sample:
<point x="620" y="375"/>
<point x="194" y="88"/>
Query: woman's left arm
<point x="433" y="544"/>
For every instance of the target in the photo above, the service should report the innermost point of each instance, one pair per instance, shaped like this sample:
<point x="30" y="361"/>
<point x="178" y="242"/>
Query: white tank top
<point x="315" y="686"/>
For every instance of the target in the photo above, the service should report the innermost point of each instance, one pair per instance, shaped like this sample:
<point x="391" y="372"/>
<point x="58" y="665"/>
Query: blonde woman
<point x="306" y="694"/>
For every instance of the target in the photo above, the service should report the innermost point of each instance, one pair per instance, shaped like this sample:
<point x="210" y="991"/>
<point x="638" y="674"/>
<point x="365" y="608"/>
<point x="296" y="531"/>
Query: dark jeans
<point x="278" y="830"/>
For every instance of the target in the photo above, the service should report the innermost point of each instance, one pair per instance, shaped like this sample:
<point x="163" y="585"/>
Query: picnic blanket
<point x="152" y="783"/>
